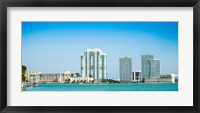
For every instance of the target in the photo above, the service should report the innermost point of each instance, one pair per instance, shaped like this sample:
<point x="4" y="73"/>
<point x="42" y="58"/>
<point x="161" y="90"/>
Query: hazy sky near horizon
<point x="57" y="46"/>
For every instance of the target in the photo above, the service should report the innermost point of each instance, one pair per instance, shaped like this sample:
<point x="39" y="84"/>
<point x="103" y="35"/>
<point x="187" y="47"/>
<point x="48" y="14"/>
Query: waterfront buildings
<point x="93" y="70"/>
<point x="52" y="77"/>
<point x="137" y="77"/>
<point x="94" y="64"/>
<point x="125" y="67"/>
<point x="159" y="80"/>
<point x="150" y="66"/>
<point x="38" y="77"/>
<point x="63" y="77"/>
<point x="151" y="71"/>
<point x="32" y="76"/>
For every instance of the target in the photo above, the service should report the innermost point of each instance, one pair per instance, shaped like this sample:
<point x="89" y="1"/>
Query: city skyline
<point x="57" y="46"/>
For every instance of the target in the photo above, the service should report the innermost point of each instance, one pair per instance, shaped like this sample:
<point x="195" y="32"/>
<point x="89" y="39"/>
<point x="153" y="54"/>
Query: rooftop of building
<point x="93" y="50"/>
<point x="125" y="57"/>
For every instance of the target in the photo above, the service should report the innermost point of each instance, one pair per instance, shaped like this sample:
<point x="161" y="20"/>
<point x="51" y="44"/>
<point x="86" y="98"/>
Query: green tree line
<point x="24" y="73"/>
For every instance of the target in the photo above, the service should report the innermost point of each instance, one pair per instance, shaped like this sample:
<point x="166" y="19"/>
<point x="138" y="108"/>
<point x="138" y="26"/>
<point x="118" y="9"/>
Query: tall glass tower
<point x="150" y="66"/>
<point x="125" y="67"/>
<point x="94" y="64"/>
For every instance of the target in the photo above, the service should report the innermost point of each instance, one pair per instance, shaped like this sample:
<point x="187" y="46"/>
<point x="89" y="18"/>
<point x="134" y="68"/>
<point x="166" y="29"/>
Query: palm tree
<point x="24" y="73"/>
<point x="77" y="74"/>
<point x="104" y="80"/>
<point x="67" y="80"/>
<point x="84" y="81"/>
<point x="93" y="81"/>
<point x="72" y="75"/>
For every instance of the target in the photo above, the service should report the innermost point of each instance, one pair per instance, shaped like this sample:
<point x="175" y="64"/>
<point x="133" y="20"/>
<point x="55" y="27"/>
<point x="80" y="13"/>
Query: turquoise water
<point x="104" y="87"/>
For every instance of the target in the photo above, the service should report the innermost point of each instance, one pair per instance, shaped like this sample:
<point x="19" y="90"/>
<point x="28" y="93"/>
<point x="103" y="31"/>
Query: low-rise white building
<point x="81" y="79"/>
<point x="63" y="77"/>
<point x="137" y="77"/>
<point x="171" y="78"/>
<point x="32" y="76"/>
<point x="39" y="77"/>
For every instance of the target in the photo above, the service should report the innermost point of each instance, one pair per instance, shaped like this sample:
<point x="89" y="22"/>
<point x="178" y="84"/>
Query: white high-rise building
<point x="125" y="68"/>
<point x="94" y="64"/>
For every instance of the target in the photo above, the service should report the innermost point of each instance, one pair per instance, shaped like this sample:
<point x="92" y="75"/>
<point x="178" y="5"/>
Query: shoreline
<point x="105" y="87"/>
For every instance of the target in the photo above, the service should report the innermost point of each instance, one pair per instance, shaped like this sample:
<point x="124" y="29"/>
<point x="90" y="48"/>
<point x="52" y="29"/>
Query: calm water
<point x="104" y="87"/>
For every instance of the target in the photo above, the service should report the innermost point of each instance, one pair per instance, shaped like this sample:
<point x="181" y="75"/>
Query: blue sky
<point x="57" y="46"/>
